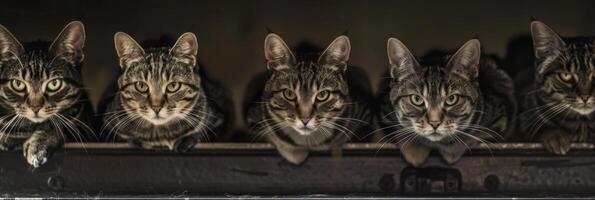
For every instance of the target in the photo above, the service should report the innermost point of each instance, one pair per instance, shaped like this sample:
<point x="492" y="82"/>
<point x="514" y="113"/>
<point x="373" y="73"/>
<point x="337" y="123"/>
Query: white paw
<point x="35" y="156"/>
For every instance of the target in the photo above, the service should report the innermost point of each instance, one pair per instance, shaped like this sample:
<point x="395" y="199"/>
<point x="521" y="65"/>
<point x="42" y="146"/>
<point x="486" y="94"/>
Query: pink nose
<point x="434" y="124"/>
<point x="36" y="109"/>
<point x="156" y="108"/>
<point x="306" y="120"/>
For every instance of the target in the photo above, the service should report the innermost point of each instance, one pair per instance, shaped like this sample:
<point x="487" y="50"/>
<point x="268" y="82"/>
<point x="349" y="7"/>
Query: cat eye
<point x="323" y="95"/>
<point x="452" y="99"/>
<point x="141" y="87"/>
<point x="417" y="100"/>
<point x="54" y="85"/>
<point x="566" y="77"/>
<point x="173" y="87"/>
<point x="289" y="95"/>
<point x="17" y="85"/>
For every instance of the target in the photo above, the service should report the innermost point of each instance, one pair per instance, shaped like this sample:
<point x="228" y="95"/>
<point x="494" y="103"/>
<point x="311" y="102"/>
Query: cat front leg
<point x="39" y="146"/>
<point x="556" y="141"/>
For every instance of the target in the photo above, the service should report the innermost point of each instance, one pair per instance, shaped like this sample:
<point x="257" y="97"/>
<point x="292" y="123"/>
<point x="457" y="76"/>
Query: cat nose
<point x="305" y="120"/>
<point x="36" y="109"/>
<point x="434" y="124"/>
<point x="156" y="108"/>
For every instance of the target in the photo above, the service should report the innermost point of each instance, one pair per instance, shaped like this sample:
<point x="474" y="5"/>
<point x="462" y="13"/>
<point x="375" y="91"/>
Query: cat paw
<point x="294" y="156"/>
<point x="557" y="143"/>
<point x="184" y="145"/>
<point x="452" y="157"/>
<point x="36" y="155"/>
<point x="415" y="154"/>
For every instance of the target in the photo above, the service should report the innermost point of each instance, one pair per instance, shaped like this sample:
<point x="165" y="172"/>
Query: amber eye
<point x="141" y="87"/>
<point x="289" y="95"/>
<point x="452" y="99"/>
<point x="566" y="77"/>
<point x="54" y="85"/>
<point x="17" y="85"/>
<point x="323" y="95"/>
<point x="173" y="87"/>
<point x="417" y="100"/>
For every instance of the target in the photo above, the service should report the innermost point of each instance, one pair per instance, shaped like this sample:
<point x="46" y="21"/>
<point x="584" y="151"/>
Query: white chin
<point x="583" y="111"/>
<point x="303" y="132"/>
<point x="434" y="138"/>
<point x="158" y="121"/>
<point x="37" y="119"/>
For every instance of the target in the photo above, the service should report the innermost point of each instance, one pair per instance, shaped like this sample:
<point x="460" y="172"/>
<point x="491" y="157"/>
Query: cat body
<point x="444" y="102"/>
<point x="164" y="100"/>
<point x="557" y="100"/>
<point x="43" y="103"/>
<point x="314" y="103"/>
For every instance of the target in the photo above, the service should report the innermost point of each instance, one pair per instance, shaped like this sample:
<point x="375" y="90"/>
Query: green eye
<point x="17" y="85"/>
<point x="289" y="95"/>
<point x="452" y="99"/>
<point x="417" y="100"/>
<point x="173" y="87"/>
<point x="323" y="95"/>
<point x="566" y="77"/>
<point x="141" y="87"/>
<point x="54" y="85"/>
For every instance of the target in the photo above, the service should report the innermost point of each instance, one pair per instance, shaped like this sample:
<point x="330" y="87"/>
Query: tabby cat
<point x="558" y="103"/>
<point x="444" y="102"/>
<point x="313" y="103"/>
<point x="43" y="103"/>
<point x="163" y="99"/>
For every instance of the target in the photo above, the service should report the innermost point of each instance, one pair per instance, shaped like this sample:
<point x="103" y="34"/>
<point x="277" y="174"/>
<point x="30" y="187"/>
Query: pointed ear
<point x="276" y="53"/>
<point x="546" y="43"/>
<point x="70" y="42"/>
<point x="186" y="49"/>
<point x="465" y="62"/>
<point x="10" y="48"/>
<point x="128" y="50"/>
<point x="400" y="58"/>
<point x="336" y="54"/>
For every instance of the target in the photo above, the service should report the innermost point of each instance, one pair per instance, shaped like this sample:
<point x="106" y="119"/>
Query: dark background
<point x="231" y="32"/>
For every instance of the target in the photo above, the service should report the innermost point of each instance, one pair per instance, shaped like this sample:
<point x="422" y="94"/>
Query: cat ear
<point x="546" y="42"/>
<point x="10" y="48"/>
<point x="276" y="53"/>
<point x="400" y="58"/>
<point x="186" y="49"/>
<point x="465" y="62"/>
<point x="336" y="54"/>
<point x="70" y="42"/>
<point x="129" y="51"/>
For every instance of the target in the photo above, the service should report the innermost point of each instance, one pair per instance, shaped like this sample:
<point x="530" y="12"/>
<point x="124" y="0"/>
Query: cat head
<point x="306" y="95"/>
<point x="434" y="99"/>
<point x="565" y="69"/>
<point x="39" y="84"/>
<point x="160" y="84"/>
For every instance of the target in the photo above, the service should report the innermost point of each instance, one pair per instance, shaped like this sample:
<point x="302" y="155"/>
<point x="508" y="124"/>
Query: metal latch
<point x="430" y="180"/>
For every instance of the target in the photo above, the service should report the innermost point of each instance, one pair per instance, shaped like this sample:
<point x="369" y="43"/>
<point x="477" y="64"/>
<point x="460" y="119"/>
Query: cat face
<point x="305" y="95"/>
<point x="434" y="100"/>
<point x="159" y="85"/>
<point x="565" y="70"/>
<point x="39" y="84"/>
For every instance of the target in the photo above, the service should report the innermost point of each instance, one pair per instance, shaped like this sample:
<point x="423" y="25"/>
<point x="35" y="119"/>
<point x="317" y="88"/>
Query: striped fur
<point x="162" y="101"/>
<point x="308" y="104"/>
<point x="558" y="104"/>
<point x="42" y="100"/>
<point x="444" y="102"/>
